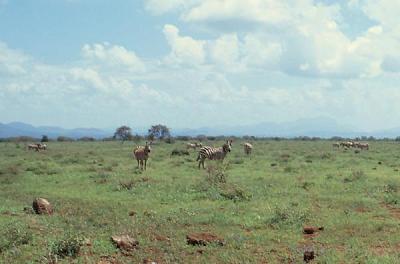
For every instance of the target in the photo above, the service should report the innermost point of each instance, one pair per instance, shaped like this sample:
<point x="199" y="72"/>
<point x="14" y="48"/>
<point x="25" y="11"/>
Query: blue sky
<point x="192" y="63"/>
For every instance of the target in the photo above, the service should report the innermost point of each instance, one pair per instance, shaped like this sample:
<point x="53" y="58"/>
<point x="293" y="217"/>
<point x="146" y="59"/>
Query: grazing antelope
<point x="214" y="153"/>
<point x="336" y="145"/>
<point x="247" y="148"/>
<point x="142" y="154"/>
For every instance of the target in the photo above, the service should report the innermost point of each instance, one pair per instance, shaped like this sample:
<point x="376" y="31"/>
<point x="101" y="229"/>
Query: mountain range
<point x="313" y="127"/>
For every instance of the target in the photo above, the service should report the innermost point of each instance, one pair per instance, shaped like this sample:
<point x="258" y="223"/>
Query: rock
<point x="125" y="242"/>
<point x="132" y="213"/>
<point x="308" y="255"/>
<point x="42" y="206"/>
<point x="312" y="229"/>
<point x="203" y="239"/>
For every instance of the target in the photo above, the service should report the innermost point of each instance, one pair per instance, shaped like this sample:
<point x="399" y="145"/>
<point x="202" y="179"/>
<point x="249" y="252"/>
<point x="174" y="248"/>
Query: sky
<point x="196" y="63"/>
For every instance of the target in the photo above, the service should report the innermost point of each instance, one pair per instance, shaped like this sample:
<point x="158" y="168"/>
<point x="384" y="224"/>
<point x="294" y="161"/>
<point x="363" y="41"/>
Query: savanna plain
<point x="257" y="204"/>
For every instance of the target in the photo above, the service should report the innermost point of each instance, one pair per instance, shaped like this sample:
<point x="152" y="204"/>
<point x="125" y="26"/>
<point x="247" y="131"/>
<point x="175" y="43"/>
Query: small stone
<point x="42" y="206"/>
<point x="308" y="255"/>
<point x="125" y="242"/>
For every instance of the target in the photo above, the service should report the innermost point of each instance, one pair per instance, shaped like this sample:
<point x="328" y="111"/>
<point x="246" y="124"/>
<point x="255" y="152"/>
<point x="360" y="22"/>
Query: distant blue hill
<point x="313" y="127"/>
<point x="22" y="129"/>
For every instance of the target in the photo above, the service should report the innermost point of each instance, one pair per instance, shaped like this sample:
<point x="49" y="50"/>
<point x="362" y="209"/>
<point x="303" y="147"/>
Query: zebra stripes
<point x="214" y="153"/>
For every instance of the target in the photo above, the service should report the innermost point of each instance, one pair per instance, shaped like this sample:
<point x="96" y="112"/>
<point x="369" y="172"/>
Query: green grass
<point x="258" y="208"/>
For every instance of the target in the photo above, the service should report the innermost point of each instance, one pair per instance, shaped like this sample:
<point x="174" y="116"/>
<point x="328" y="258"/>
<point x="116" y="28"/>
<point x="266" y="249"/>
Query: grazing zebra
<point x="34" y="146"/>
<point x="142" y="154"/>
<point x="363" y="146"/>
<point x="42" y="146"/>
<point x="193" y="145"/>
<point x="247" y="148"/>
<point x="214" y="153"/>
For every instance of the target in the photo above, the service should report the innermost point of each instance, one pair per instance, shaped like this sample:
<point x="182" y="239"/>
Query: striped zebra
<point x="142" y="154"/>
<point x="214" y="153"/>
<point x="247" y="148"/>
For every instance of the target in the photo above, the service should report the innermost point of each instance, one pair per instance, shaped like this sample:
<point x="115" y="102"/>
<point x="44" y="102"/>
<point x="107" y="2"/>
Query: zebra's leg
<point x="202" y="161"/>
<point x="137" y="163"/>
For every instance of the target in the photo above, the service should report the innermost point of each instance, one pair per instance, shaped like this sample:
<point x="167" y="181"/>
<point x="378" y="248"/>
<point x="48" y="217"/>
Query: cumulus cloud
<point x="114" y="55"/>
<point x="184" y="50"/>
<point x="297" y="37"/>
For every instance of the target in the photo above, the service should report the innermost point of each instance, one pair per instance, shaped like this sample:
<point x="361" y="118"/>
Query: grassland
<point x="258" y="204"/>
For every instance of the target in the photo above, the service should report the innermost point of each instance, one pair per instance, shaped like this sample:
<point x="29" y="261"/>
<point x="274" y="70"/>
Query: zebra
<point x="142" y="154"/>
<point x="34" y="146"/>
<point x="214" y="153"/>
<point x="193" y="145"/>
<point x="247" y="148"/>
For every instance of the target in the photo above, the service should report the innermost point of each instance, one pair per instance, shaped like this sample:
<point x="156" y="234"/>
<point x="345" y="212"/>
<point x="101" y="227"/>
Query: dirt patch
<point x="203" y="239"/>
<point x="394" y="212"/>
<point x="361" y="210"/>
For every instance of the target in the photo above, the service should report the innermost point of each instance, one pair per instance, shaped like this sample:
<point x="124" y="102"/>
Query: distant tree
<point x="44" y="139"/>
<point x="158" y="132"/>
<point x="136" y="138"/>
<point x="86" y="139"/>
<point x="123" y="133"/>
<point x="64" y="139"/>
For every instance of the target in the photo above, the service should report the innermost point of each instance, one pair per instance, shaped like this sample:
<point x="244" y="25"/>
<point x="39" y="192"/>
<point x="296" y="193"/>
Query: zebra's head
<point x="227" y="146"/>
<point x="147" y="148"/>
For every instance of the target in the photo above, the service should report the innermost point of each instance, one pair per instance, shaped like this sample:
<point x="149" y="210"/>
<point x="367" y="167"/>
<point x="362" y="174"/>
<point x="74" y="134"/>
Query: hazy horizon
<point x="193" y="64"/>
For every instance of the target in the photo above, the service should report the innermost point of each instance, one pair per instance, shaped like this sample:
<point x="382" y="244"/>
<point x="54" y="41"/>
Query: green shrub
<point x="68" y="246"/>
<point x="13" y="235"/>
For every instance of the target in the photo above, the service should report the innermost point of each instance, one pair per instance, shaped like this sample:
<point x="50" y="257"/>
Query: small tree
<point x="44" y="139"/>
<point x="158" y="132"/>
<point x="123" y="133"/>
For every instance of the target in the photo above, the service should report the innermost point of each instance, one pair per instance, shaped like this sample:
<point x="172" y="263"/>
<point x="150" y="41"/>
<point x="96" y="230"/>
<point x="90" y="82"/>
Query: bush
<point x="177" y="152"/>
<point x="169" y="140"/>
<point x="287" y="216"/>
<point x="14" y="235"/>
<point x="64" y="139"/>
<point x="235" y="193"/>
<point x="69" y="246"/>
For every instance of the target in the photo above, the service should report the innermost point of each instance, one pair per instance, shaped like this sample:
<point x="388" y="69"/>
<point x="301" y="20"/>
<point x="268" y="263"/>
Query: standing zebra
<point x="142" y="154"/>
<point x="214" y="153"/>
<point x="247" y="148"/>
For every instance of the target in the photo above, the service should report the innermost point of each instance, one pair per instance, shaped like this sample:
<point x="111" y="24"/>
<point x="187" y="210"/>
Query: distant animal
<point x="247" y="147"/>
<point x="42" y="146"/>
<point x="212" y="153"/>
<point x="363" y="146"/>
<point x="336" y="145"/>
<point x="142" y="154"/>
<point x="33" y="147"/>
<point x="193" y="145"/>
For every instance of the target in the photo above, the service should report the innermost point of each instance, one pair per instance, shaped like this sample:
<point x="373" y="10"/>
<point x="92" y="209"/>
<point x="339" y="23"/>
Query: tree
<point x="44" y="139"/>
<point x="123" y="133"/>
<point x="158" y="132"/>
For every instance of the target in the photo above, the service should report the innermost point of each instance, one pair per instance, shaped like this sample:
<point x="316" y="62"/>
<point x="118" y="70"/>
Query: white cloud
<point x="12" y="61"/>
<point x="114" y="55"/>
<point x="184" y="50"/>
<point x="296" y="37"/>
